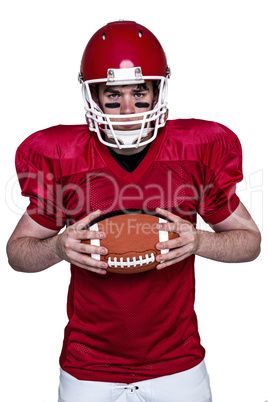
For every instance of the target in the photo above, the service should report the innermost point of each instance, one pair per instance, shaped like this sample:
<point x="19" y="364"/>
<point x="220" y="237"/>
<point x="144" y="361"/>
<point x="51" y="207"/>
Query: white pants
<point x="188" y="386"/>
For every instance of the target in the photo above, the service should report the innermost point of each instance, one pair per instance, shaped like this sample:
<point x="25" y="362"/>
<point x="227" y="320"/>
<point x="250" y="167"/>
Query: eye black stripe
<point x="142" y="104"/>
<point x="112" y="105"/>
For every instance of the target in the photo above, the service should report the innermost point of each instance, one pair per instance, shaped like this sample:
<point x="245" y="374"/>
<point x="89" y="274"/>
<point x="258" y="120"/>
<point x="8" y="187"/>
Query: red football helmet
<point x="124" y="53"/>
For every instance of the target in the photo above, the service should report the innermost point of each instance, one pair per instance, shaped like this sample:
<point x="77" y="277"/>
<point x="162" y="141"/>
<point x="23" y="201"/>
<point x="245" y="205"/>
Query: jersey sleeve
<point x="37" y="178"/>
<point x="223" y="171"/>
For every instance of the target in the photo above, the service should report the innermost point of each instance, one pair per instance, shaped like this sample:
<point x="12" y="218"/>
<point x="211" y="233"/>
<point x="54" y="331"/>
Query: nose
<point x="127" y="105"/>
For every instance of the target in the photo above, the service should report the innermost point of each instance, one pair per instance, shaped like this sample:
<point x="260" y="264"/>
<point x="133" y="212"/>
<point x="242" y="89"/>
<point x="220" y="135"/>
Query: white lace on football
<point x="131" y="263"/>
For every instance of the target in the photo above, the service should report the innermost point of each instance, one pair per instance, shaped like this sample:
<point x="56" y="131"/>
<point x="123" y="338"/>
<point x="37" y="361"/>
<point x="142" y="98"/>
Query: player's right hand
<point x="70" y="248"/>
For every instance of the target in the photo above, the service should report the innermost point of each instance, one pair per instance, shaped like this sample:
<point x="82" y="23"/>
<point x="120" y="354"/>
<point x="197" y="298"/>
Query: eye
<point x="113" y="96"/>
<point x="139" y="95"/>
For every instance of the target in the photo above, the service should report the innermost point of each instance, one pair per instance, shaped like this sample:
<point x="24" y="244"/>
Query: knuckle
<point x="176" y="226"/>
<point x="88" y="233"/>
<point x="69" y="231"/>
<point x="191" y="248"/>
<point x="84" y="260"/>
<point x="68" y="254"/>
<point x="79" y="226"/>
<point x="69" y="237"/>
<point x="178" y="252"/>
<point x="93" y="234"/>
<point x="83" y="248"/>
<point x="177" y="220"/>
<point x="191" y="237"/>
<point x="179" y="242"/>
<point x="95" y="250"/>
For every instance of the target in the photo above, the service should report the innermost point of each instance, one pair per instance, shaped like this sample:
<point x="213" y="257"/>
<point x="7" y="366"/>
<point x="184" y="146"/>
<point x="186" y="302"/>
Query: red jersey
<point x="126" y="328"/>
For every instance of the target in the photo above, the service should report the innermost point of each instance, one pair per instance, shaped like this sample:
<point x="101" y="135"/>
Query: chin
<point x="127" y="128"/>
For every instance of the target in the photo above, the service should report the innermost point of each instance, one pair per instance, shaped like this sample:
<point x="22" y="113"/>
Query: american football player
<point x="131" y="337"/>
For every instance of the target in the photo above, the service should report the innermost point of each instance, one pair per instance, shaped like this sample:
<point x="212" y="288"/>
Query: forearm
<point x="28" y="254"/>
<point x="34" y="248"/>
<point x="229" y="246"/>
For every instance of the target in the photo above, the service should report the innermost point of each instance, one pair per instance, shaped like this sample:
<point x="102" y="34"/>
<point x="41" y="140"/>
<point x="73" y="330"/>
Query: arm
<point x="236" y="239"/>
<point x="34" y="248"/>
<point x="31" y="247"/>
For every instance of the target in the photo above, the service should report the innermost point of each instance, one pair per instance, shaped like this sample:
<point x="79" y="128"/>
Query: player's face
<point x="126" y="99"/>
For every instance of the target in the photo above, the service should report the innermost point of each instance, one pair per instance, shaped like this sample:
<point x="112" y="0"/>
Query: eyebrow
<point x="117" y="91"/>
<point x="145" y="89"/>
<point x="111" y="91"/>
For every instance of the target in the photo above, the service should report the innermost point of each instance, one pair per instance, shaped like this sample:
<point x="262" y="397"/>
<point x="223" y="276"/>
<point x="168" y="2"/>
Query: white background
<point x="217" y="51"/>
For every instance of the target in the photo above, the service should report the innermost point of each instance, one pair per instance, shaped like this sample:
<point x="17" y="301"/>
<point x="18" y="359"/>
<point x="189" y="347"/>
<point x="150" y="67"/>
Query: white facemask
<point x="150" y="121"/>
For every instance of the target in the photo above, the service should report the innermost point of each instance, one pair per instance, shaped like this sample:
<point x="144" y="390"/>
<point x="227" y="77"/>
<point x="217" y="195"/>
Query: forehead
<point x="147" y="86"/>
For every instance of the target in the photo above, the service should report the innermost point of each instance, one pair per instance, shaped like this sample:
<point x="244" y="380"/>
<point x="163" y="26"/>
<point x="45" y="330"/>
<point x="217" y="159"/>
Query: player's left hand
<point x="183" y="246"/>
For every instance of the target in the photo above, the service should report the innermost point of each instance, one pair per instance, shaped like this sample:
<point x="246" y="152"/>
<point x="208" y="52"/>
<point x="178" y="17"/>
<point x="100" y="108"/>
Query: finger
<point x="86" y="261"/>
<point x="175" y="224"/>
<point x="86" y="248"/>
<point x="173" y="257"/>
<point x="170" y="244"/>
<point x="174" y="253"/>
<point x="169" y="215"/>
<point x="82" y="223"/>
<point x="88" y="234"/>
<point x="181" y="226"/>
<point x="169" y="263"/>
<point x="92" y="269"/>
<point x="78" y="241"/>
<point x="79" y="230"/>
<point x="83" y="248"/>
<point x="184" y="239"/>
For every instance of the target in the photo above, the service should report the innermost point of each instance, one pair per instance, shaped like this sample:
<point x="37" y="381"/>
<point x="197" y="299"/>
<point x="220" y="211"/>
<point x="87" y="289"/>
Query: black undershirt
<point x="129" y="162"/>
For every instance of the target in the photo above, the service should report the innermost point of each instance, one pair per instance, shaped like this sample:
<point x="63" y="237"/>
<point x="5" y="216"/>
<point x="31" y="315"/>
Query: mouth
<point x="127" y="124"/>
<point x="125" y="127"/>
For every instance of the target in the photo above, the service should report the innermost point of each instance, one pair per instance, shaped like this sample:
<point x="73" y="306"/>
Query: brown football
<point x="130" y="239"/>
